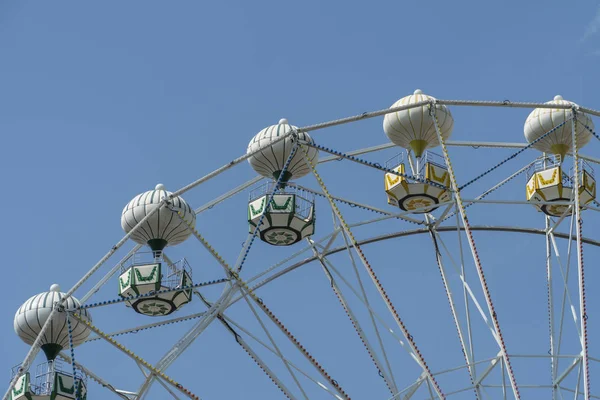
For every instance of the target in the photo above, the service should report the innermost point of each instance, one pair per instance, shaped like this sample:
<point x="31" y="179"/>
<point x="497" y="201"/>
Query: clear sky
<point x="99" y="101"/>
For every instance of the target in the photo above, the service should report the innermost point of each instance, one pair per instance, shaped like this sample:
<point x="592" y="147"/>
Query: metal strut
<point x="476" y="259"/>
<point x="582" y="304"/>
<point x="71" y="347"/>
<point x="553" y="369"/>
<point x="245" y="288"/>
<point x="357" y="327"/>
<point x="374" y="277"/>
<point x="249" y="351"/>
<point x="463" y="345"/>
<point x="136" y="358"/>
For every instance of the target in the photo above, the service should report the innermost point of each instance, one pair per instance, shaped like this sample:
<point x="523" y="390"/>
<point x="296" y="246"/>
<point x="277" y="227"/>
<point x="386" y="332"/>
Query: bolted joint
<point x="294" y="136"/>
<point x="432" y="107"/>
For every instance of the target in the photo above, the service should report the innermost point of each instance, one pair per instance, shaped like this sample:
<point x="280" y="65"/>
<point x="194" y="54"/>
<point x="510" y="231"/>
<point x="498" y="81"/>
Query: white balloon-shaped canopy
<point x="269" y="162"/>
<point x="414" y="128"/>
<point x="542" y="120"/>
<point x="33" y="314"/>
<point x="163" y="228"/>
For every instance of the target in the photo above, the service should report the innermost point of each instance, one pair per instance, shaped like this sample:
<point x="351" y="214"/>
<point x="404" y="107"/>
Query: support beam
<point x="476" y="259"/>
<point x="186" y="341"/>
<point x="357" y="326"/>
<point x="240" y="340"/>
<point x="419" y="357"/>
<point x="550" y="290"/>
<point x="465" y="350"/>
<point x="580" y="267"/>
<point x="245" y="290"/>
<point x="136" y="358"/>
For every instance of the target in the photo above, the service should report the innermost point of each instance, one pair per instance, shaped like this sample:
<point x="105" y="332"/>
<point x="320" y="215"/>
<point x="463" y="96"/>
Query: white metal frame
<point x="238" y="289"/>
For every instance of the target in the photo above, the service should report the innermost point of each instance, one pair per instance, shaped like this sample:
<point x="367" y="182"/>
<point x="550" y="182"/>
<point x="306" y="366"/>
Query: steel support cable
<point x="476" y="258"/>
<point x="373" y="276"/>
<point x="461" y="274"/>
<point x="466" y="355"/>
<point x="71" y="348"/>
<point x="151" y="294"/>
<point x="135" y="357"/>
<point x="287" y="361"/>
<point x="580" y="265"/>
<point x="271" y="198"/>
<point x="565" y="273"/>
<point x="550" y="304"/>
<point x="374" y="165"/>
<point x="287" y="259"/>
<point x="362" y="206"/>
<point x="492" y="189"/>
<point x="514" y="155"/>
<point x="262" y="365"/>
<point x="141" y="328"/>
<point x="278" y="351"/>
<point x="366" y="299"/>
<point x="239" y="340"/>
<point x="355" y="324"/>
<point x="188" y="338"/>
<point x="245" y="288"/>
<point x="590" y="130"/>
<point x="381" y="320"/>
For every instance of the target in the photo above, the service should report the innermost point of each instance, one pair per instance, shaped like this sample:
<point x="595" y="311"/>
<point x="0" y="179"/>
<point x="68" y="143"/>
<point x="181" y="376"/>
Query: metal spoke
<point x="384" y="373"/>
<point x="476" y="259"/>
<point x="366" y="299"/>
<point x="440" y="264"/>
<point x="264" y="328"/>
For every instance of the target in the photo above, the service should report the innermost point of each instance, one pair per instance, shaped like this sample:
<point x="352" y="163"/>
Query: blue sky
<point x="99" y="101"/>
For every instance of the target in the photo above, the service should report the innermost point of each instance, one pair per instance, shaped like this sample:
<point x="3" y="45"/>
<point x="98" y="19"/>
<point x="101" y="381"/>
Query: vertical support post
<point x="471" y="241"/>
<point x="359" y="330"/>
<point x="553" y="359"/>
<point x="440" y="264"/>
<point x="578" y="231"/>
<point x="71" y="347"/>
<point x="413" y="346"/>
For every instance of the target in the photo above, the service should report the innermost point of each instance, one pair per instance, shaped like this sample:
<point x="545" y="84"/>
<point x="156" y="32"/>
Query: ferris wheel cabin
<point x="421" y="192"/>
<point x="288" y="218"/>
<point x="547" y="182"/>
<point x="51" y="382"/>
<point x="154" y="289"/>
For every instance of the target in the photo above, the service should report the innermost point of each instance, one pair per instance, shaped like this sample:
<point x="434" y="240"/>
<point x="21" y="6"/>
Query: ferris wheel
<point x="418" y="280"/>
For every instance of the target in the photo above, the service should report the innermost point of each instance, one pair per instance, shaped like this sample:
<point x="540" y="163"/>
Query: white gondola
<point x="418" y="195"/>
<point x="53" y="380"/>
<point x="548" y="183"/>
<point x="289" y="218"/>
<point x="290" y="215"/>
<point x="414" y="130"/>
<point x="551" y="131"/>
<point x="146" y="274"/>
